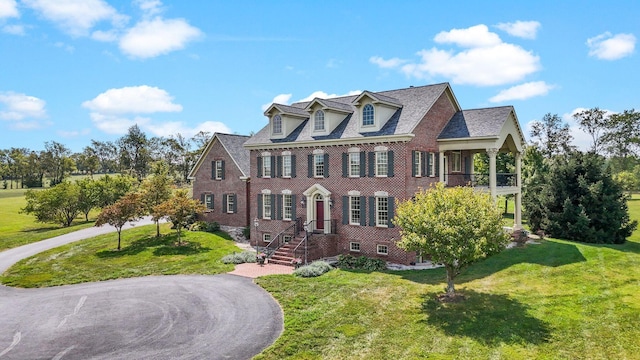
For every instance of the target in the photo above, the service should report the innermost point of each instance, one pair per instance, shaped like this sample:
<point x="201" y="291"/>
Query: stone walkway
<point x="254" y="270"/>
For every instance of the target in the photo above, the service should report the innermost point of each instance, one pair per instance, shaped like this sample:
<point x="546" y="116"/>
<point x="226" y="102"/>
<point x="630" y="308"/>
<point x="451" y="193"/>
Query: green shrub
<point x="204" y="226"/>
<point x="246" y="231"/>
<point x="361" y="263"/>
<point x="240" y="258"/>
<point x="314" y="269"/>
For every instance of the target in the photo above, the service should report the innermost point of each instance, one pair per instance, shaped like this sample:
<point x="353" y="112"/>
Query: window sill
<point x="354" y="176"/>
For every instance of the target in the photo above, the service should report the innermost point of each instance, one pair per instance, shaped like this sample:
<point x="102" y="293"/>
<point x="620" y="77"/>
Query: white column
<point x="441" y="166"/>
<point x="472" y="175"/>
<point x="492" y="171"/>
<point x="517" y="212"/>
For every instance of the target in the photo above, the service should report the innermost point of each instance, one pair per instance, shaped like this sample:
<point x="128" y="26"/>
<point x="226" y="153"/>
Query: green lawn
<point x="142" y="254"/>
<point x="557" y="300"/>
<point x="18" y="229"/>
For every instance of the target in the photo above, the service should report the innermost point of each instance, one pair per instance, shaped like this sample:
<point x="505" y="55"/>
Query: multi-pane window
<point x="266" y="166"/>
<point x="266" y="238"/>
<point x="354" y="210"/>
<point x="367" y="115"/>
<point x="354" y="246"/>
<point x="266" y="206"/>
<point x="318" y="121"/>
<point x="417" y="163"/>
<point x="383" y="249"/>
<point x="354" y="164"/>
<point x="432" y="164"/>
<point x="318" y="165"/>
<point x="230" y="203"/>
<point x="277" y="124"/>
<point x="382" y="163"/>
<point x="382" y="211"/>
<point x="286" y="206"/>
<point x="218" y="169"/>
<point x="208" y="201"/>
<point x="456" y="161"/>
<point x="286" y="165"/>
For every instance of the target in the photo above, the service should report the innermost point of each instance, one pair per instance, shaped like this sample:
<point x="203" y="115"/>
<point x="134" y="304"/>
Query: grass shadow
<point x="487" y="318"/>
<point x="190" y="248"/>
<point x="163" y="245"/>
<point x="547" y="253"/>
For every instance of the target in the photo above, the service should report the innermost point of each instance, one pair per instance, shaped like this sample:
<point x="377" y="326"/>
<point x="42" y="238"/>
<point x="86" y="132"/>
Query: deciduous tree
<point x="128" y="208"/>
<point x="155" y="190"/>
<point x="180" y="208"/>
<point x="552" y="135"/>
<point x="593" y="122"/>
<point x="59" y="204"/>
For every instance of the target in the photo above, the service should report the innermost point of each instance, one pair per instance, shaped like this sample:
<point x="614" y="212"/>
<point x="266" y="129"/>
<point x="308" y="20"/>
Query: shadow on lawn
<point x="488" y="318"/>
<point x="548" y="253"/>
<point x="163" y="245"/>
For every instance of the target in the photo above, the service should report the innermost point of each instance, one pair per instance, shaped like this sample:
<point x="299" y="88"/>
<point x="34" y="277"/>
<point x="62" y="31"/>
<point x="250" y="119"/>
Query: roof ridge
<point x="488" y="108"/>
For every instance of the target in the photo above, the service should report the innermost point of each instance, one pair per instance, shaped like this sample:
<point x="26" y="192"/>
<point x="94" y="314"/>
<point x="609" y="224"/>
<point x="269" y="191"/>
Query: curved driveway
<point x="155" y="317"/>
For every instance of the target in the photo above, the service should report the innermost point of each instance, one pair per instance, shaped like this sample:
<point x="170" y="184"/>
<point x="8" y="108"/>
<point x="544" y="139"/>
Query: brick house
<point x="220" y="180"/>
<point x="329" y="171"/>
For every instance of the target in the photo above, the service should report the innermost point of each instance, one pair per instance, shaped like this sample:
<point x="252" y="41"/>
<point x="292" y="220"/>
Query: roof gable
<point x="233" y="144"/>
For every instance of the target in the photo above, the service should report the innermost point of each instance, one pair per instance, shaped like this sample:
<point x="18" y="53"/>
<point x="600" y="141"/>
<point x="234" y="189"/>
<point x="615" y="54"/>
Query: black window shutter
<point x="278" y="166"/>
<point x="222" y="161"/>
<point x="467" y="165"/>
<point x="224" y="203"/>
<point x="273" y="166"/>
<point x="363" y="163"/>
<point x="363" y="210"/>
<point x="293" y="207"/>
<point x="391" y="208"/>
<point x="326" y="165"/>
<point x="437" y="161"/>
<point x="345" y="164"/>
<point x="202" y="198"/>
<point x="372" y="211"/>
<point x="213" y="197"/>
<point x="345" y="210"/>
<point x="213" y="169"/>
<point x="259" y="206"/>
<point x="293" y="166"/>
<point x="310" y="165"/>
<point x="426" y="162"/>
<point x="235" y="203"/>
<point x="390" y="171"/>
<point x="259" y="166"/>
<point x="273" y="206"/>
<point x="413" y="162"/>
<point x="372" y="164"/>
<point x="278" y="207"/>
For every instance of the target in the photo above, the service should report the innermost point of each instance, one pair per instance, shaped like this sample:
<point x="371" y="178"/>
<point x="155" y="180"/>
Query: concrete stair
<point x="285" y="254"/>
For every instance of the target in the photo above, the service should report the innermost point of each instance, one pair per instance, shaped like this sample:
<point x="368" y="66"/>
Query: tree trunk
<point x="451" y="274"/>
<point x="119" y="230"/>
<point x="157" y="228"/>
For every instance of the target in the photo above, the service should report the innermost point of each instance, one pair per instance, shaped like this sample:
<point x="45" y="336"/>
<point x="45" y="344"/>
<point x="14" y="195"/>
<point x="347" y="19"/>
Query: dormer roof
<point x="378" y="98"/>
<point x="287" y="110"/>
<point x="329" y="104"/>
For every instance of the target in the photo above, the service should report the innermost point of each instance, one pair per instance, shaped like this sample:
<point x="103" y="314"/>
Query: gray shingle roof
<point x="415" y="102"/>
<point x="476" y="123"/>
<point x="334" y="104"/>
<point x="233" y="144"/>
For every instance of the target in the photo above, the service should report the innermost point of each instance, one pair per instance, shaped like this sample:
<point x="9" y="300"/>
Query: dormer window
<point x="276" y="126"/>
<point x="367" y="115"/>
<point x="318" y="121"/>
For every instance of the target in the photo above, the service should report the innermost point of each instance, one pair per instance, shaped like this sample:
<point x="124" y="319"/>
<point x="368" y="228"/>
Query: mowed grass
<point x="556" y="300"/>
<point x="19" y="229"/>
<point x="142" y="254"/>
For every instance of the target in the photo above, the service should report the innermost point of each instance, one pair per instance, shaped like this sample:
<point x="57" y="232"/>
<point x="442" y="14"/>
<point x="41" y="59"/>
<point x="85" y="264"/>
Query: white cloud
<point x="178" y="127"/>
<point x="149" y="7"/>
<point x="8" y="8"/>
<point x="114" y="124"/>
<point x="607" y="46"/>
<point x="13" y="29"/>
<point x="279" y="99"/>
<point x="74" y="133"/>
<point x="150" y="38"/>
<point x="485" y="61"/>
<point x="522" y="29"/>
<point x="105" y="36"/>
<point x="65" y="47"/>
<point x="20" y="106"/>
<point x="77" y="17"/>
<point x="523" y="91"/>
<point x="133" y="99"/>
<point x="386" y="64"/>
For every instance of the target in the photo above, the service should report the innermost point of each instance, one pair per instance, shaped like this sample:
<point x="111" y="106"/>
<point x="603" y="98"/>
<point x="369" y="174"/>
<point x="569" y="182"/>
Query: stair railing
<point x="278" y="241"/>
<point x="301" y="251"/>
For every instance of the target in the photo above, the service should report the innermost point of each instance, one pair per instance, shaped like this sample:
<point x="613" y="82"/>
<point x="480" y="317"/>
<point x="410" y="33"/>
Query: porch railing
<point x="330" y="224"/>
<point x="481" y="179"/>
<point x="301" y="251"/>
<point x="279" y="240"/>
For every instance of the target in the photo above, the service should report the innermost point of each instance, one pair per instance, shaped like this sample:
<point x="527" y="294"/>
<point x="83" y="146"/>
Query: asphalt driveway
<point x="156" y="317"/>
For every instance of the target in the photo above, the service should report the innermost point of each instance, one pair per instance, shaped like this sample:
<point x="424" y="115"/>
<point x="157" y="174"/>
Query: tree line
<point x="131" y="154"/>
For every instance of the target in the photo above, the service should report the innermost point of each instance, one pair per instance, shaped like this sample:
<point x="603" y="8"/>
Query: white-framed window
<point x="382" y="211"/>
<point x="266" y="166"/>
<point x="208" y="201"/>
<point x="218" y="169"/>
<point x="417" y="163"/>
<point x="287" y="204"/>
<point x="318" y="121"/>
<point x="286" y="166"/>
<point x="354" y="164"/>
<point x="382" y="163"/>
<point x="456" y="161"/>
<point x="382" y="249"/>
<point x="354" y="246"/>
<point x="266" y="238"/>
<point x="277" y="125"/>
<point x="354" y="210"/>
<point x="368" y="115"/>
<point x="432" y="164"/>
<point x="266" y="206"/>
<point x="230" y="203"/>
<point x="318" y="165"/>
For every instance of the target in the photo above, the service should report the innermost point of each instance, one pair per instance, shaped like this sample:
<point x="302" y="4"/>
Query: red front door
<point x="319" y="215"/>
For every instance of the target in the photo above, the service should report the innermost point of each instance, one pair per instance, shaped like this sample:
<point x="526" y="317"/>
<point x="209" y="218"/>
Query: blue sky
<point x="76" y="70"/>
